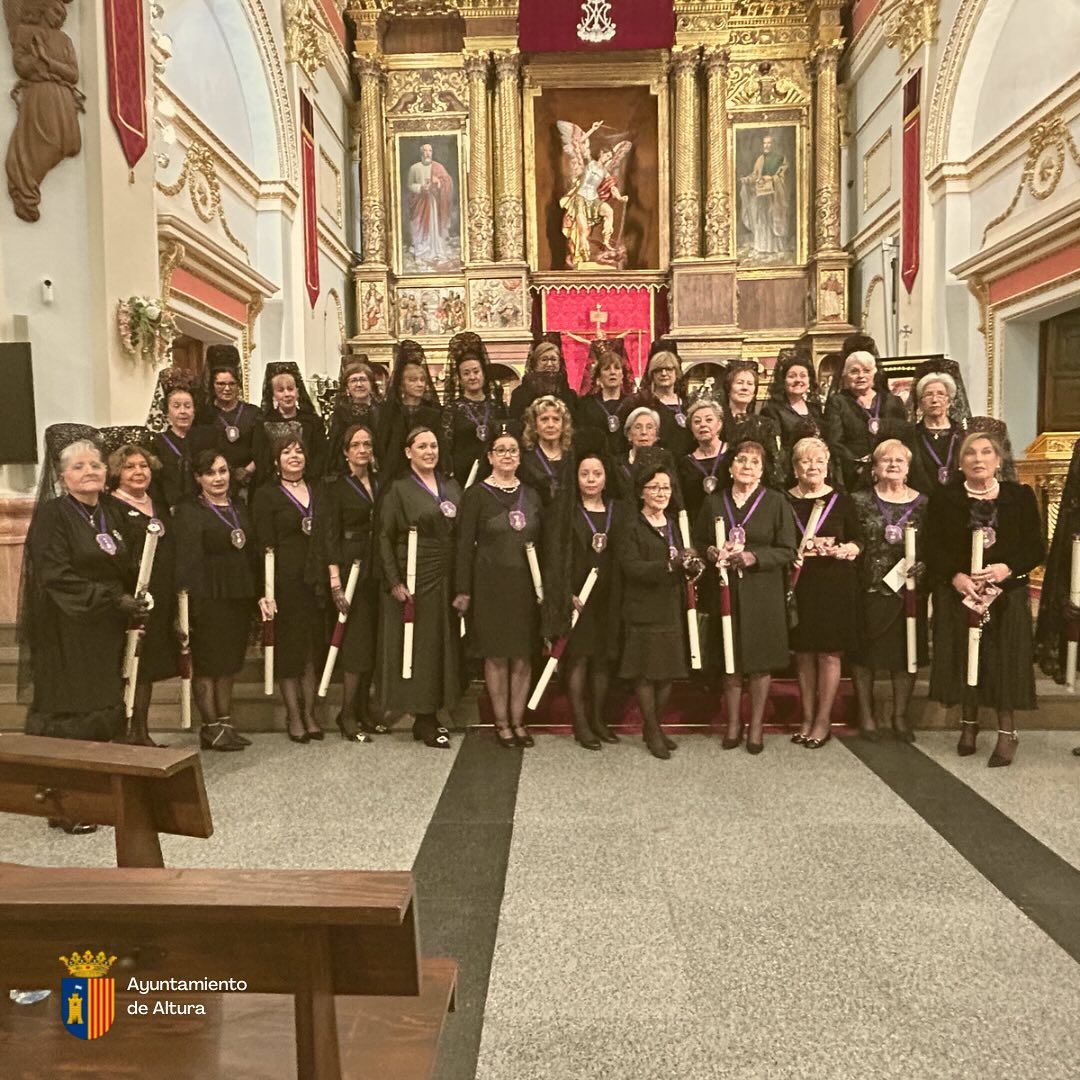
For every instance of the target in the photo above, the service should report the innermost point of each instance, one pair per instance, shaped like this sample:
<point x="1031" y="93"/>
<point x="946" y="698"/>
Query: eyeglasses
<point x="657" y="489"/>
<point x="224" y="384"/>
<point x="505" y="451"/>
<point x="747" y="459"/>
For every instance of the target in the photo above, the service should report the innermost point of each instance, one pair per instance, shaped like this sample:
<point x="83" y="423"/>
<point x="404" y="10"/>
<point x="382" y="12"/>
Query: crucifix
<point x="599" y="319"/>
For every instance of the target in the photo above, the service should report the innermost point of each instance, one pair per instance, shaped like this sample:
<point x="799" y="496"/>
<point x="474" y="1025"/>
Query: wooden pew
<point x="309" y="934"/>
<point x="141" y="790"/>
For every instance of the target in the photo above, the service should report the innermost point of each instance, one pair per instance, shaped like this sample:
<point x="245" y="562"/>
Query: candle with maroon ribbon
<point x="338" y="635"/>
<point x="183" y="621"/>
<point x="137" y="627"/>
<point x="408" y="609"/>
<point x="727" y="626"/>
<point x="1072" y="625"/>
<point x="975" y="617"/>
<point x="268" y="624"/>
<point x="910" y="610"/>
<point x="559" y="645"/>
<point x="691" y="599"/>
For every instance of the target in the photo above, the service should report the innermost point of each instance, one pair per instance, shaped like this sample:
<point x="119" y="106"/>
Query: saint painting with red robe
<point x="431" y="191"/>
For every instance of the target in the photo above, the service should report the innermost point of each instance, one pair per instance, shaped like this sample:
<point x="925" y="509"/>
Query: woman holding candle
<point x="983" y="537"/>
<point x="356" y="402"/>
<point x="500" y="519"/>
<point x="546" y="462"/>
<point x="758" y="545"/>
<point x="655" y="568"/>
<point x="937" y="436"/>
<point x="235" y="421"/>
<point x="131" y="471"/>
<point x="345" y="523"/>
<point x="885" y="514"/>
<point x="611" y="383"/>
<point x="425" y="501"/>
<point x="826" y="592"/>
<point x="859" y="416"/>
<point x="285" y="513"/>
<point x="474" y="407"/>
<point x="216" y="563"/>
<point x="411" y="401"/>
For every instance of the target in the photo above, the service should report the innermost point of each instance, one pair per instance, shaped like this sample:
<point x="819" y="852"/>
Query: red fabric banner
<point x="311" y="207"/>
<point x="577" y="314"/>
<point x="911" y="193"/>
<point x="595" y="25"/>
<point x="126" y="64"/>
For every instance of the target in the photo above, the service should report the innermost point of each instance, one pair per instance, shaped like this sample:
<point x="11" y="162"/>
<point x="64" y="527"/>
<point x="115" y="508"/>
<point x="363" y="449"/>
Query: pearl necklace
<point x="988" y="493"/>
<point x="509" y="490"/>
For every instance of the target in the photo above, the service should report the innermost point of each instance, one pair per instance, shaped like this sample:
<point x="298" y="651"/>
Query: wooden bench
<point x="140" y="790"/>
<point x="313" y="935"/>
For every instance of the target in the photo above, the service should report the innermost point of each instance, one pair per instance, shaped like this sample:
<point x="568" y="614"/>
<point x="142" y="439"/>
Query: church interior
<point x="320" y="181"/>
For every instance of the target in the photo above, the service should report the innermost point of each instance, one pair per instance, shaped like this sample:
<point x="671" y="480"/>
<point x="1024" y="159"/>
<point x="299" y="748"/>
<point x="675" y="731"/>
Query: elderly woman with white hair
<point x="705" y="469"/>
<point x="641" y="428"/>
<point x="859" y="416"/>
<point x="937" y="437"/>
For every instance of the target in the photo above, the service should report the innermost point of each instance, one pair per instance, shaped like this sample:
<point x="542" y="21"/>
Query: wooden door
<point x="1059" y="373"/>
<point x="187" y="354"/>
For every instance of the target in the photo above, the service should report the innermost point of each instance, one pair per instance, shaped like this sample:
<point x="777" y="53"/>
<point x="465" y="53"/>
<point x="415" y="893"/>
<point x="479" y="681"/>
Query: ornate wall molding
<point x="480" y="207"/>
<point x="170" y="255"/>
<point x="765" y="83"/>
<point x="952" y="61"/>
<point x="308" y="39"/>
<point x="718" y="181"/>
<point x="426" y="91"/>
<point x="910" y="24"/>
<point x="332" y="294"/>
<point x="871" y="285"/>
<point x="686" y="204"/>
<point x="372" y="154"/>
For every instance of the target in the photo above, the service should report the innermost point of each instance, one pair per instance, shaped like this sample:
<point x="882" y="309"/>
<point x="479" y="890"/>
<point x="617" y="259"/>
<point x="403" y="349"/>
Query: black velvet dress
<point x="851" y="442"/>
<point x="827" y="593"/>
<point x="504" y="617"/>
<point x="222" y="583"/>
<point x="932" y="452"/>
<point x="465" y="420"/>
<point x="882" y="638"/>
<point x="75" y="631"/>
<point x="606" y="419"/>
<point x="1006" y="653"/>
<point x="234" y="432"/>
<point x="346" y="517"/>
<point x="159" y="650"/>
<point x="545" y="476"/>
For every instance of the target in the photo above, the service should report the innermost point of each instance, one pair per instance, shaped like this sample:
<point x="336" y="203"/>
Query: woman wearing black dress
<point x="660" y="392"/>
<point x="641" y="428"/>
<point x="411" y="401"/>
<point x="860" y="416"/>
<point x="937" y="436"/>
<point x="131" y="469"/>
<point x="578" y="538"/>
<point x="705" y="468"/>
<point x="425" y="500"/>
<point x="473" y="409"/>
<point x="216" y="552"/>
<point x="655" y="568"/>
<point x="759" y="547"/>
<point x="235" y="422"/>
<point x="285" y="512"/>
<point x="500" y="516"/>
<point x="356" y="402"/>
<point x="545" y="374"/>
<point x="826" y="595"/>
<point x="173" y="410"/>
<point x="77" y="580"/>
<point x="1008" y="516"/>
<point x="794" y="405"/>
<point x="546" y="463"/>
<point x="346" y="518"/>
<point x="286" y="400"/>
<point x="884" y="512"/>
<point x="611" y="383"/>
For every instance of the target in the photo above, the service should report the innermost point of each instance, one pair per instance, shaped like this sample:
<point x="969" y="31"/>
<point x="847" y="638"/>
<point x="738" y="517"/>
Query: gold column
<point x="372" y="161"/>
<point x="827" y="187"/>
<point x="718" y="184"/>
<point x="509" y="208"/>
<point x="481" y="226"/>
<point x="687" y="202"/>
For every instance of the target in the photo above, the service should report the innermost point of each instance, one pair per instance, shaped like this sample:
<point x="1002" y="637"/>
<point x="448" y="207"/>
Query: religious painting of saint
<point x="429" y="204"/>
<point x="767" y="225"/>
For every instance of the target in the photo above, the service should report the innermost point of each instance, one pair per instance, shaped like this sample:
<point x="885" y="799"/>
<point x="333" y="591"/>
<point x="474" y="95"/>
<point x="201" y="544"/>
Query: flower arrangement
<point x="146" y="328"/>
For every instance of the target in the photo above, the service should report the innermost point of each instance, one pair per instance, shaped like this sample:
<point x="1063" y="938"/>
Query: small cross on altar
<point x="598" y="318"/>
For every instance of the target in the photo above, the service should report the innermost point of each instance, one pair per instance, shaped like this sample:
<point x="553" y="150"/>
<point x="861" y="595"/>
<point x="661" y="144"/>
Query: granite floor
<point x="880" y="912"/>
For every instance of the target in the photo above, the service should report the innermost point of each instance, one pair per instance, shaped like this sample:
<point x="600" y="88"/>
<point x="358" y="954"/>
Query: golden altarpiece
<point x="717" y="161"/>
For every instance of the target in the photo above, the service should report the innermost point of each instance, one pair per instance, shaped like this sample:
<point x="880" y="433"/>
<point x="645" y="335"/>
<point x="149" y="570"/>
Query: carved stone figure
<point x="594" y="187"/>
<point x="49" y="102"/>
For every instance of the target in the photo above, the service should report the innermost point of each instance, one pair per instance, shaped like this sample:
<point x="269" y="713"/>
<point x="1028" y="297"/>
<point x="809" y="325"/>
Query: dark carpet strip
<point x="460" y="872"/>
<point x="1039" y="882"/>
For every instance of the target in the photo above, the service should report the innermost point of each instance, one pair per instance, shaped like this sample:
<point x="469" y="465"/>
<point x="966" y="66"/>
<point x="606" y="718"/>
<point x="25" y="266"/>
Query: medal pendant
<point x="989" y="536"/>
<point x="481" y="432"/>
<point x="232" y="433"/>
<point x="943" y="475"/>
<point x="238" y="538"/>
<point x="613" y="423"/>
<point x="680" y="419"/>
<point x="447" y="509"/>
<point x="305" y="525"/>
<point x="106" y="543"/>
<point x="517" y="520"/>
<point x="709" y="484"/>
<point x="893" y="534"/>
<point x="156" y="526"/>
<point x="599" y="542"/>
<point x="874" y="424"/>
<point x="673" y="552"/>
<point x="737" y="535"/>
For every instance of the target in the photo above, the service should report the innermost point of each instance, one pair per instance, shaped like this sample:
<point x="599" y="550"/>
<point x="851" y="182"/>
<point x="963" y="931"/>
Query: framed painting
<point x="769" y="179"/>
<point x="428" y="203"/>
<point x="430" y="310"/>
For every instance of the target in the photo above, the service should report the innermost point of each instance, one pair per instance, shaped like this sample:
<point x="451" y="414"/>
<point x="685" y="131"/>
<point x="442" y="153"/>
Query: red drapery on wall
<point x="911" y="193"/>
<point x="126" y="63"/>
<point x="311" y="207"/>
<point x="552" y="25"/>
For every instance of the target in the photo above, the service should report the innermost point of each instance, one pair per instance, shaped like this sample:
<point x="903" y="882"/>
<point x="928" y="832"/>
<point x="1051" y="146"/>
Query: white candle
<point x="410" y="584"/>
<point x="553" y="660"/>
<point x="909" y="584"/>
<point x="978" y="540"/>
<point x="727" y="626"/>
<point x="1074" y="599"/>
<point x="339" y="631"/>
<point x="183" y="618"/>
<point x="268" y="627"/>
<point x="534" y="571"/>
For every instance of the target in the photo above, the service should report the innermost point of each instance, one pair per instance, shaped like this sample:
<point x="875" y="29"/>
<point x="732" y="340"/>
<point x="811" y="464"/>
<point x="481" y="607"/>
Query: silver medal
<point x="599" y="542"/>
<point x="447" y="509"/>
<point x="680" y="419"/>
<point x="481" y="432"/>
<point x="517" y="520"/>
<point x="238" y="538"/>
<point x="874" y="425"/>
<point x="893" y="534"/>
<point x="613" y="423"/>
<point x="106" y="543"/>
<point x="156" y="525"/>
<point x="673" y="552"/>
<point x="232" y="433"/>
<point x="305" y="525"/>
<point x="737" y="535"/>
<point x="989" y="536"/>
<point x="943" y="475"/>
<point x="709" y="484"/>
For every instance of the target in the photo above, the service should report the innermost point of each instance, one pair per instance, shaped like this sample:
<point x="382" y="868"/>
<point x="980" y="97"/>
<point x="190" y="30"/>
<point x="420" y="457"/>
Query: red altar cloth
<point x="629" y="311"/>
<point x="552" y="26"/>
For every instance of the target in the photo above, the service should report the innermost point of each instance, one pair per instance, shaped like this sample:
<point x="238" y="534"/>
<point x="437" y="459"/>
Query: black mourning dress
<point x="299" y="635"/>
<point x="159" y="650"/>
<point x="545" y="476"/>
<point x="1006" y="653"/>
<point x="234" y="431"/>
<point x="827" y="592"/>
<point x="314" y="440"/>
<point x="492" y="568"/>
<point x="76" y="632"/>
<point x="346" y="517"/>
<point x="222" y="583"/>
<point x="793" y="426"/>
<point x="605" y="418"/>
<point x="698" y="474"/>
<point x="848" y="434"/>
<point x="882" y="639"/>
<point x="437" y="675"/>
<point x="175" y="480"/>
<point x="346" y="414"/>
<point x="471" y="424"/>
<point x="932" y="452"/>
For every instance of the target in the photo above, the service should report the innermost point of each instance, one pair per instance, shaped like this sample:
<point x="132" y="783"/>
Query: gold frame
<point x="415" y="130"/>
<point x="796" y="118"/>
<point x="604" y="70"/>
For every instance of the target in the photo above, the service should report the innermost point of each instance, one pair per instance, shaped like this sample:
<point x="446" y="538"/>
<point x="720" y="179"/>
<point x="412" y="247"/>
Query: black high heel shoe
<point x="962" y="748"/>
<point x="525" y="741"/>
<point x="437" y="737"/>
<point x="729" y="742"/>
<point x="298" y="738"/>
<point x="350" y="736"/>
<point x="505" y="737"/>
<point x="72" y="828"/>
<point x="799" y="738"/>
<point x="996" y="760"/>
<point x="317" y="735"/>
<point x="372" y="728"/>
<point x="816" y="744"/>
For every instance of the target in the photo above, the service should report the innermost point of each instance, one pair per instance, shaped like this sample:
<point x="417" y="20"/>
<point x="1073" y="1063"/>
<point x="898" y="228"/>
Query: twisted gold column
<point x="372" y="161"/>
<point x="509" y="208"/>
<point x="687" y="201"/>
<point x="827" y="175"/>
<point x="718" y="183"/>
<point x="481" y="230"/>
